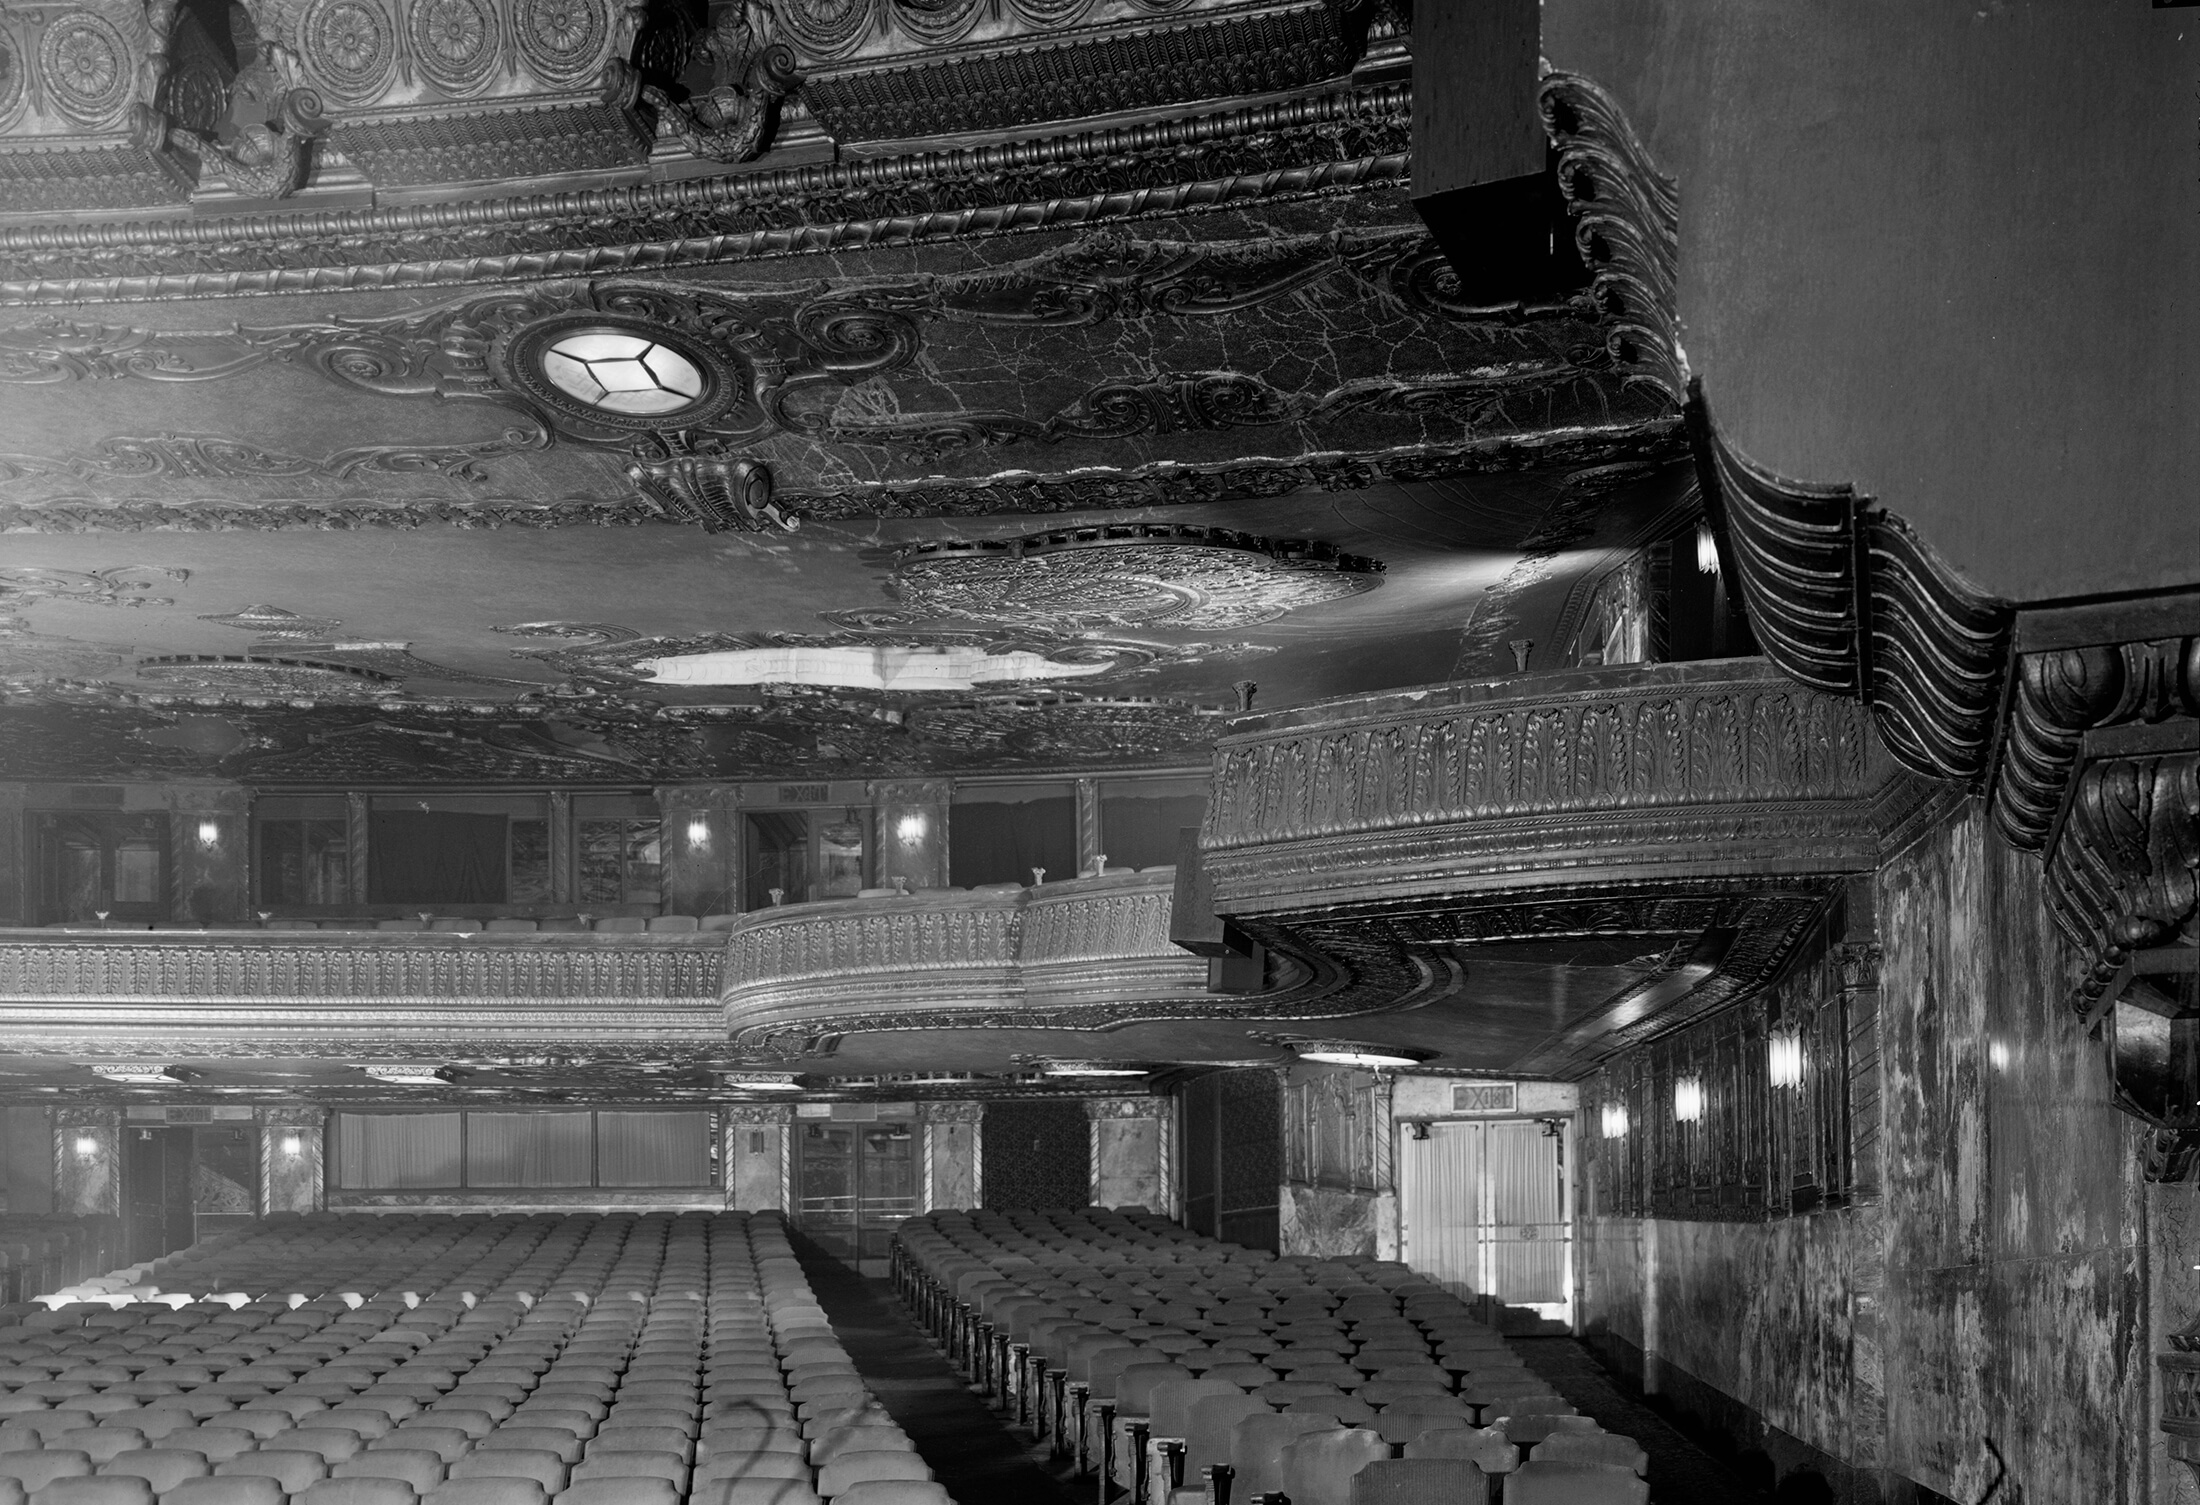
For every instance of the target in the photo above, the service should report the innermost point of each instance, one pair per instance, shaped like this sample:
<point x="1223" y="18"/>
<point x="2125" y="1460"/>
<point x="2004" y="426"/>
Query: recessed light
<point x="409" y="1075"/>
<point x="760" y="1081"/>
<point x="1362" y="1053"/>
<point x="1090" y="1068"/>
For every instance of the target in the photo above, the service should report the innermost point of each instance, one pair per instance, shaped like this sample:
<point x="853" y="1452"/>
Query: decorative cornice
<point x="959" y="1112"/>
<point x="1257" y="152"/>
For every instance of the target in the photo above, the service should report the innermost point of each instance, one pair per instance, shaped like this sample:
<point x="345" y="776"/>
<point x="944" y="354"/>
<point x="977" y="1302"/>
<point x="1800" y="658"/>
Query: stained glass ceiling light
<point x="622" y="373"/>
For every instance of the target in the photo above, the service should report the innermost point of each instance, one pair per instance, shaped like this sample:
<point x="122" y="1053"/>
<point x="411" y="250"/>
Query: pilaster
<point x="209" y="845"/>
<point x="910" y="838"/>
<point x="17" y="896"/>
<point x="1090" y="853"/>
<point x="950" y="1151"/>
<point x="1130" y="1151"/>
<point x="87" y="1161"/>
<point x="756" y="1155"/>
<point x="293" y="1158"/>
<point x="699" y="849"/>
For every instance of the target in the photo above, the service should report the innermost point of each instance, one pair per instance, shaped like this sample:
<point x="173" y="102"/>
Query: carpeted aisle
<point x="977" y="1458"/>
<point x="1680" y="1472"/>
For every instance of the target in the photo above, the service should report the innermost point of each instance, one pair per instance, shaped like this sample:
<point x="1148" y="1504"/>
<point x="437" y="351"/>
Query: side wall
<point x="1993" y="1302"/>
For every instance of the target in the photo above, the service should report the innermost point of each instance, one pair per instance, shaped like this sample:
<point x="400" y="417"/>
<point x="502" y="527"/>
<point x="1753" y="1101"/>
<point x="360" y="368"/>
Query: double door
<point x="106" y="865"/>
<point x="1485" y="1213"/>
<point x="854" y="1185"/>
<point x="180" y="1184"/>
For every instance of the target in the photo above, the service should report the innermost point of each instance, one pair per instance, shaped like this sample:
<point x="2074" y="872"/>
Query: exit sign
<point x="1484" y="1097"/>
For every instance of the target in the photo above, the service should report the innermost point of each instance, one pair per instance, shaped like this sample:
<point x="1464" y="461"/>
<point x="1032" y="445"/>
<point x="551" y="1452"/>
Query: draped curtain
<point x="652" y="1149"/>
<point x="528" y="1149"/>
<point x="385" y="1151"/>
<point x="435" y="857"/>
<point x="1002" y="843"/>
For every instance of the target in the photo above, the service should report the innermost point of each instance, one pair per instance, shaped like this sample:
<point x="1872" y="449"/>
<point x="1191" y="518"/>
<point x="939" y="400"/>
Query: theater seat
<point x="487" y="1492"/>
<point x="120" y="1490"/>
<point x="163" y="1468"/>
<point x="894" y="1492"/>
<point x="239" y="1489"/>
<point x="626" y="1491"/>
<point x="293" y="1470"/>
<point x="849" y="1469"/>
<point x="35" y="1470"/>
<point x="357" y="1492"/>
<point x="418" y="1467"/>
<point x="754" y="1492"/>
<point x="1575" y="1484"/>
<point x="1420" y="1481"/>
<point x="1592" y="1447"/>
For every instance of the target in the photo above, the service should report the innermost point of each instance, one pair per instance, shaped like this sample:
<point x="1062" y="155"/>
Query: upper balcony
<point x="1080" y="954"/>
<point x="185" y="995"/>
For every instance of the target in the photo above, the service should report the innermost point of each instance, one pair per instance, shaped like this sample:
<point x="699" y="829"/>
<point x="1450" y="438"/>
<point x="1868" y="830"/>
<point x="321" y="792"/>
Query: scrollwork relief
<point x="182" y="457"/>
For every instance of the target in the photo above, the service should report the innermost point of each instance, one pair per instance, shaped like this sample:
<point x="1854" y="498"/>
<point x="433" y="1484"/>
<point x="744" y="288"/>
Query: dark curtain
<point x="1143" y="832"/>
<point x="1002" y="843"/>
<point x="435" y="857"/>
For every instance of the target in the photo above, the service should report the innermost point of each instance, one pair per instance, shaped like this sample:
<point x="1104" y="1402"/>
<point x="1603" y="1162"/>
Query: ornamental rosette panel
<point x="82" y="88"/>
<point x="879" y="69"/>
<point x="1066" y="955"/>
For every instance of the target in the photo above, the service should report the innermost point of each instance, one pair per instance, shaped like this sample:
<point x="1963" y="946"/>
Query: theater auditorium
<point x="1099" y="752"/>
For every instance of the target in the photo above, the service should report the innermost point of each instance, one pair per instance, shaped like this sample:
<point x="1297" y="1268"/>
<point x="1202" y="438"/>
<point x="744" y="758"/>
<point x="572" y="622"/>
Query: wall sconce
<point x="910" y="829"/>
<point x="292" y="1144"/>
<point x="210" y="833"/>
<point x="1615" y="1120"/>
<point x="1784" y="1059"/>
<point x="1688" y="1100"/>
<point x="1997" y="1055"/>
<point x="86" y="1145"/>
<point x="1707" y="550"/>
<point x="698" y="832"/>
<point x="1418" y="1127"/>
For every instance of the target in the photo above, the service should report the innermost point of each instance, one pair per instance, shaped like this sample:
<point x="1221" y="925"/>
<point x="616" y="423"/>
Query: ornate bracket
<point x="719" y="492"/>
<point x="262" y="162"/>
<point x="730" y="124"/>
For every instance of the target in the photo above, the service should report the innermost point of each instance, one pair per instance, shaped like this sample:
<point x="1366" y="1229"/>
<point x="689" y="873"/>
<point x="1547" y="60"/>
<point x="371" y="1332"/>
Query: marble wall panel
<point x="87" y="1161"/>
<point x="1998" y="1293"/>
<point x="755" y="1158"/>
<point x="954" y="1151"/>
<point x="210" y="853"/>
<point x="293" y="1159"/>
<point x="1328" y="1224"/>
<point x="16" y="901"/>
<point x="700" y="849"/>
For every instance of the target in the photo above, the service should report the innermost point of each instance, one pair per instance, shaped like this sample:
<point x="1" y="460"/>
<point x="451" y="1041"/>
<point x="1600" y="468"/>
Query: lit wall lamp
<point x="1997" y="1055"/>
<point x="698" y="832"/>
<point x="1707" y="550"/>
<point x="293" y="1145"/>
<point x="1688" y="1100"/>
<point x="1615" y="1120"/>
<point x="210" y="833"/>
<point x="910" y="829"/>
<point x="86" y="1145"/>
<point x="1784" y="1059"/>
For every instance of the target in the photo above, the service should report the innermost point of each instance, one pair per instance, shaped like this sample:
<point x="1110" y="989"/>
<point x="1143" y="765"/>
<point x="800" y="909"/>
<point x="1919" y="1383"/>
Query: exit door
<point x="1485" y="1214"/>
<point x="855" y="1183"/>
<point x="183" y="1184"/>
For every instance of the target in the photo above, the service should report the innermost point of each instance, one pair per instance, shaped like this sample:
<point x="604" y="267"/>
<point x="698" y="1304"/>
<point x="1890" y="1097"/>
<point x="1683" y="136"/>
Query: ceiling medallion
<point x="1148" y="575"/>
<point x="277" y="623"/>
<point x="260" y="674"/>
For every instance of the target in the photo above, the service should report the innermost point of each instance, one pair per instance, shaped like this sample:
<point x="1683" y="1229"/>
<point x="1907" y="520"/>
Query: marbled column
<point x="699" y="849"/>
<point x="1091" y="841"/>
<point x="910" y="838"/>
<point x="293" y="1145"/>
<point x="209" y="846"/>
<point x="561" y="848"/>
<point x="87" y="1161"/>
<point x="756" y="1156"/>
<point x="16" y="891"/>
<point x="357" y="809"/>
<point x="950" y="1154"/>
<point x="1130" y="1151"/>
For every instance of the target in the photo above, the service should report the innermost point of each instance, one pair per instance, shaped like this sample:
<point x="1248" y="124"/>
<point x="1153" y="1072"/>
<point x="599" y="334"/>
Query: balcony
<point x="1682" y="824"/>
<point x="1081" y="954"/>
<point x="210" y="993"/>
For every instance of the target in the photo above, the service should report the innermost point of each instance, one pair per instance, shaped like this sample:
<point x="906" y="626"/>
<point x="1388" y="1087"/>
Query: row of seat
<point x="356" y="1359"/>
<point x="1150" y="1356"/>
<point x="450" y="924"/>
<point x="38" y="1253"/>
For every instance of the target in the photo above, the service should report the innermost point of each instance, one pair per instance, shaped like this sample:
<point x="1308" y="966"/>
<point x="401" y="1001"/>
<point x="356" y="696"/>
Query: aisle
<point x="977" y="1458"/>
<point x="1680" y="1472"/>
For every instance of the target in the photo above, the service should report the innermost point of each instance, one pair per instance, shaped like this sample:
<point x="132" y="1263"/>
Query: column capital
<point x="950" y="1113"/>
<point x="1099" y="1108"/>
<point x="759" y="1114"/>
